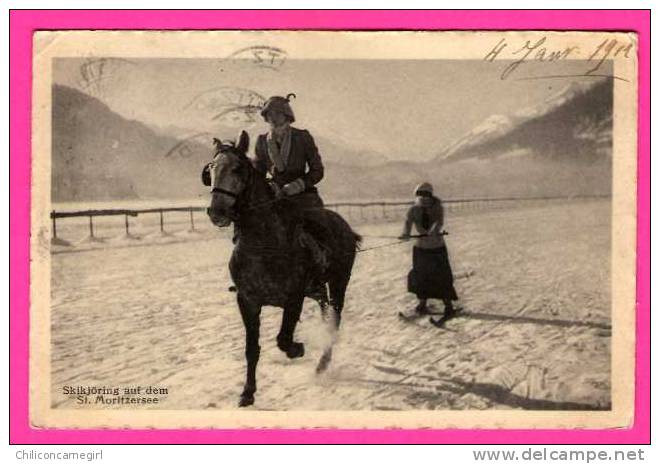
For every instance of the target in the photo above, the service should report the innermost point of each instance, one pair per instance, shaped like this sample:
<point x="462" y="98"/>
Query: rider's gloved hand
<point x="295" y="187"/>
<point x="276" y="189"/>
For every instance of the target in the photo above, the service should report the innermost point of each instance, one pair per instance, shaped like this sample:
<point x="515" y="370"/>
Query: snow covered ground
<point x="536" y="331"/>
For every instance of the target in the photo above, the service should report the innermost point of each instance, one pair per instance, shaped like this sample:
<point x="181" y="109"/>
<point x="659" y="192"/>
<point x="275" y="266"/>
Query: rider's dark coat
<point x="303" y="161"/>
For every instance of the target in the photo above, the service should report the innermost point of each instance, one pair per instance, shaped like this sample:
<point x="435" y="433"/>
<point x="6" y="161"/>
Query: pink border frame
<point x="24" y="22"/>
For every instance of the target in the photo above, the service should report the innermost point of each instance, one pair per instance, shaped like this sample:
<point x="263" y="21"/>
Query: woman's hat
<point x="424" y="187"/>
<point x="280" y="104"/>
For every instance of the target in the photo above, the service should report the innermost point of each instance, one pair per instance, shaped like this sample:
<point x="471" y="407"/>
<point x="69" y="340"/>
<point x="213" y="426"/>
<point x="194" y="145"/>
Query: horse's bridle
<point x="239" y="197"/>
<point x="226" y="192"/>
<point x="248" y="181"/>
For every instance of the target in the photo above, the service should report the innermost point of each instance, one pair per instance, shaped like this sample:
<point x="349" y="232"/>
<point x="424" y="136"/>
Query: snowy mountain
<point x="573" y="124"/>
<point x="494" y="126"/>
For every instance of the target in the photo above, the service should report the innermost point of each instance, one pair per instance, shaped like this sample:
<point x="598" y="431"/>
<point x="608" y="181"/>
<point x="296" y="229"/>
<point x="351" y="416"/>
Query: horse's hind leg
<point x="323" y="302"/>
<point x="290" y="318"/>
<point x="251" y="320"/>
<point x="337" y="294"/>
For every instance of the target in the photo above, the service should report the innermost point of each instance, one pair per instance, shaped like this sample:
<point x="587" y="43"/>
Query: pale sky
<point x="402" y="109"/>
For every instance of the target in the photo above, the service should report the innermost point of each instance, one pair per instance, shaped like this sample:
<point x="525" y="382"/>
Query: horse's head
<point x="228" y="175"/>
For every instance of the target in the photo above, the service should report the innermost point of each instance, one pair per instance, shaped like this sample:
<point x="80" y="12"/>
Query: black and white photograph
<point x="349" y="229"/>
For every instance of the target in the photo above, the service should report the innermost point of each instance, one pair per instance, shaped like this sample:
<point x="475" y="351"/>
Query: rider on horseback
<point x="291" y="157"/>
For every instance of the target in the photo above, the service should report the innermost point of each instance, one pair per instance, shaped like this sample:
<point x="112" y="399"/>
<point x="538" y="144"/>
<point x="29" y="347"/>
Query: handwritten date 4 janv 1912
<point x="541" y="51"/>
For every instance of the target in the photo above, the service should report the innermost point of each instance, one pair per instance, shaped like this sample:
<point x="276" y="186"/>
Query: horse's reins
<point x="279" y="251"/>
<point x="238" y="197"/>
<point x="261" y="204"/>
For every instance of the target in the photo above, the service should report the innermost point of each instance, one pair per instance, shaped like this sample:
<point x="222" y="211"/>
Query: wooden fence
<point x="353" y="211"/>
<point x="92" y="213"/>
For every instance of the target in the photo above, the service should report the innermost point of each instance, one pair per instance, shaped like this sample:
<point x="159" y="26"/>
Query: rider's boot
<point x="316" y="287"/>
<point x="318" y="254"/>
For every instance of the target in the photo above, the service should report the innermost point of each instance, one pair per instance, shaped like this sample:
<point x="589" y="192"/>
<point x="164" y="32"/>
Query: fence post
<point x="91" y="226"/>
<point x="126" y="224"/>
<point x="382" y="205"/>
<point x="162" y="226"/>
<point x="362" y="212"/>
<point x="54" y="225"/>
<point x="192" y="220"/>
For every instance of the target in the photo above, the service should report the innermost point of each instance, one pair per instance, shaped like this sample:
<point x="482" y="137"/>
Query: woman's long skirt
<point x="431" y="275"/>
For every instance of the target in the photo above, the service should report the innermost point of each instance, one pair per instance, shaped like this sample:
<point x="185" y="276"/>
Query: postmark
<point x="96" y="72"/>
<point x="234" y="106"/>
<point x="262" y="56"/>
<point x="189" y="144"/>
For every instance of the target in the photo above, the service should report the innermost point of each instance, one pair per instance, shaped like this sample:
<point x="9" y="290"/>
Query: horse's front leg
<point x="337" y="295"/>
<point x="250" y="313"/>
<point x="290" y="318"/>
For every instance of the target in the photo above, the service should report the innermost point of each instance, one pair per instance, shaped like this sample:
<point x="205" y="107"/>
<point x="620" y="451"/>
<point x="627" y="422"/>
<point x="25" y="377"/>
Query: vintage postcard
<point x="295" y="229"/>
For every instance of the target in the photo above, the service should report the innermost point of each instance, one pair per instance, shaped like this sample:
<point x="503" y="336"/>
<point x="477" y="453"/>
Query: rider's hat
<point x="424" y="187"/>
<point x="280" y="104"/>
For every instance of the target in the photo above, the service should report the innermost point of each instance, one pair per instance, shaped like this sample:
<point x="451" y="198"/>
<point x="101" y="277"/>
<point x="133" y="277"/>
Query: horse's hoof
<point x="322" y="367"/>
<point x="246" y="400"/>
<point x="324" y="362"/>
<point x="296" y="350"/>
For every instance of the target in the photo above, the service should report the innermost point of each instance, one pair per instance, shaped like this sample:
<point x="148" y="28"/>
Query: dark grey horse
<point x="269" y="266"/>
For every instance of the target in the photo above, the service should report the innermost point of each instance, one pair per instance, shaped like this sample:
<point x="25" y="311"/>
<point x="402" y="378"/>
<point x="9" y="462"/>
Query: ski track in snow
<point x="535" y="333"/>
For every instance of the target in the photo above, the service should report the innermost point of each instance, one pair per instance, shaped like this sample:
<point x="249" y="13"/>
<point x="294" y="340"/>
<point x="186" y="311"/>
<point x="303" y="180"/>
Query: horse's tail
<point x="342" y="227"/>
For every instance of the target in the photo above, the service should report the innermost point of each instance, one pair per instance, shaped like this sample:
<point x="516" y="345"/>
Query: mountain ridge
<point x="100" y="155"/>
<point x="554" y="128"/>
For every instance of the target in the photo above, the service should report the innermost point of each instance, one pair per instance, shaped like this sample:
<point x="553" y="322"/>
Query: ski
<point x="410" y="317"/>
<point x="442" y="320"/>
